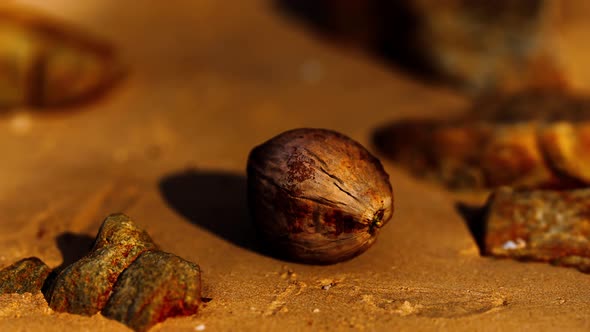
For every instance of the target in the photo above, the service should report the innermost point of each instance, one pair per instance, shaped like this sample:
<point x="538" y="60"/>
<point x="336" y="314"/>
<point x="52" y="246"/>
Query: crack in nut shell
<point x="317" y="196"/>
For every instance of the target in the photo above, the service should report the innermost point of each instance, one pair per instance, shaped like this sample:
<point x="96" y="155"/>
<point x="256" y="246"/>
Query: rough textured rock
<point x="534" y="139"/>
<point x="156" y="286"/>
<point x="85" y="286"/>
<point x="317" y="196"/>
<point x="24" y="276"/>
<point x="127" y="278"/>
<point x="547" y="226"/>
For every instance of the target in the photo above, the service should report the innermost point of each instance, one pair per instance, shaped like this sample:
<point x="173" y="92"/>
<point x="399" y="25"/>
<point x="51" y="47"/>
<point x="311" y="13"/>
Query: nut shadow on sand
<point x="215" y="201"/>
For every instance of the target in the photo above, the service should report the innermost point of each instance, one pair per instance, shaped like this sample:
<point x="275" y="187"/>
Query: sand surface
<point x="208" y="81"/>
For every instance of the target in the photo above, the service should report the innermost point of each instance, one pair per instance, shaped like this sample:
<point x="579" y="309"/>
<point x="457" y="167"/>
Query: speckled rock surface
<point x="156" y="286"/>
<point x="85" y="286"/>
<point x="24" y="276"/>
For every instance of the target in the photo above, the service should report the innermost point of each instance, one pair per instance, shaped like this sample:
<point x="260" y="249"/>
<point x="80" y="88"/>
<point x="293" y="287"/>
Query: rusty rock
<point x="534" y="139"/>
<point x="156" y="286"/>
<point x="24" y="276"/>
<point x="127" y="278"/>
<point x="540" y="225"/>
<point x="85" y="286"/>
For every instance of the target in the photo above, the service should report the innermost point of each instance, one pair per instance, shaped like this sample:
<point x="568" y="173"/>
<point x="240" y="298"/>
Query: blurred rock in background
<point x="47" y="63"/>
<point x="479" y="46"/>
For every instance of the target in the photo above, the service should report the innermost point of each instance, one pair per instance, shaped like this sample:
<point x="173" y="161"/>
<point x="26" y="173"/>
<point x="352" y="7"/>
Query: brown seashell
<point x="317" y="196"/>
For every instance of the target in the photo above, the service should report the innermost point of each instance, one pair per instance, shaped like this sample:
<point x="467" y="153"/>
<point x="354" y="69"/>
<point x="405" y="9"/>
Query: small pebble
<point x="85" y="286"/>
<point x="24" y="276"/>
<point x="200" y="327"/>
<point x="158" y="285"/>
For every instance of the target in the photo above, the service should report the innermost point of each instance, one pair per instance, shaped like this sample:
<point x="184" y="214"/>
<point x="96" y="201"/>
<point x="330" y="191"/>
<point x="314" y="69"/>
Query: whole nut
<point x="317" y="196"/>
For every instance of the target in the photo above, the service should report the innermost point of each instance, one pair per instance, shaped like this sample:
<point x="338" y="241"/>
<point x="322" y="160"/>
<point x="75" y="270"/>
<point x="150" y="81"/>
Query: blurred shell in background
<point x="47" y="63"/>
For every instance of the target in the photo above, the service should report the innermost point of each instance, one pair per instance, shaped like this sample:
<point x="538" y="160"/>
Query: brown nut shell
<point x="317" y="196"/>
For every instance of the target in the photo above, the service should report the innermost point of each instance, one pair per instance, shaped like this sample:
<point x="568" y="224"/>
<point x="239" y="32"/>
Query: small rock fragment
<point x="24" y="276"/>
<point x="540" y="225"/>
<point x="156" y="286"/>
<point x="85" y="286"/>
